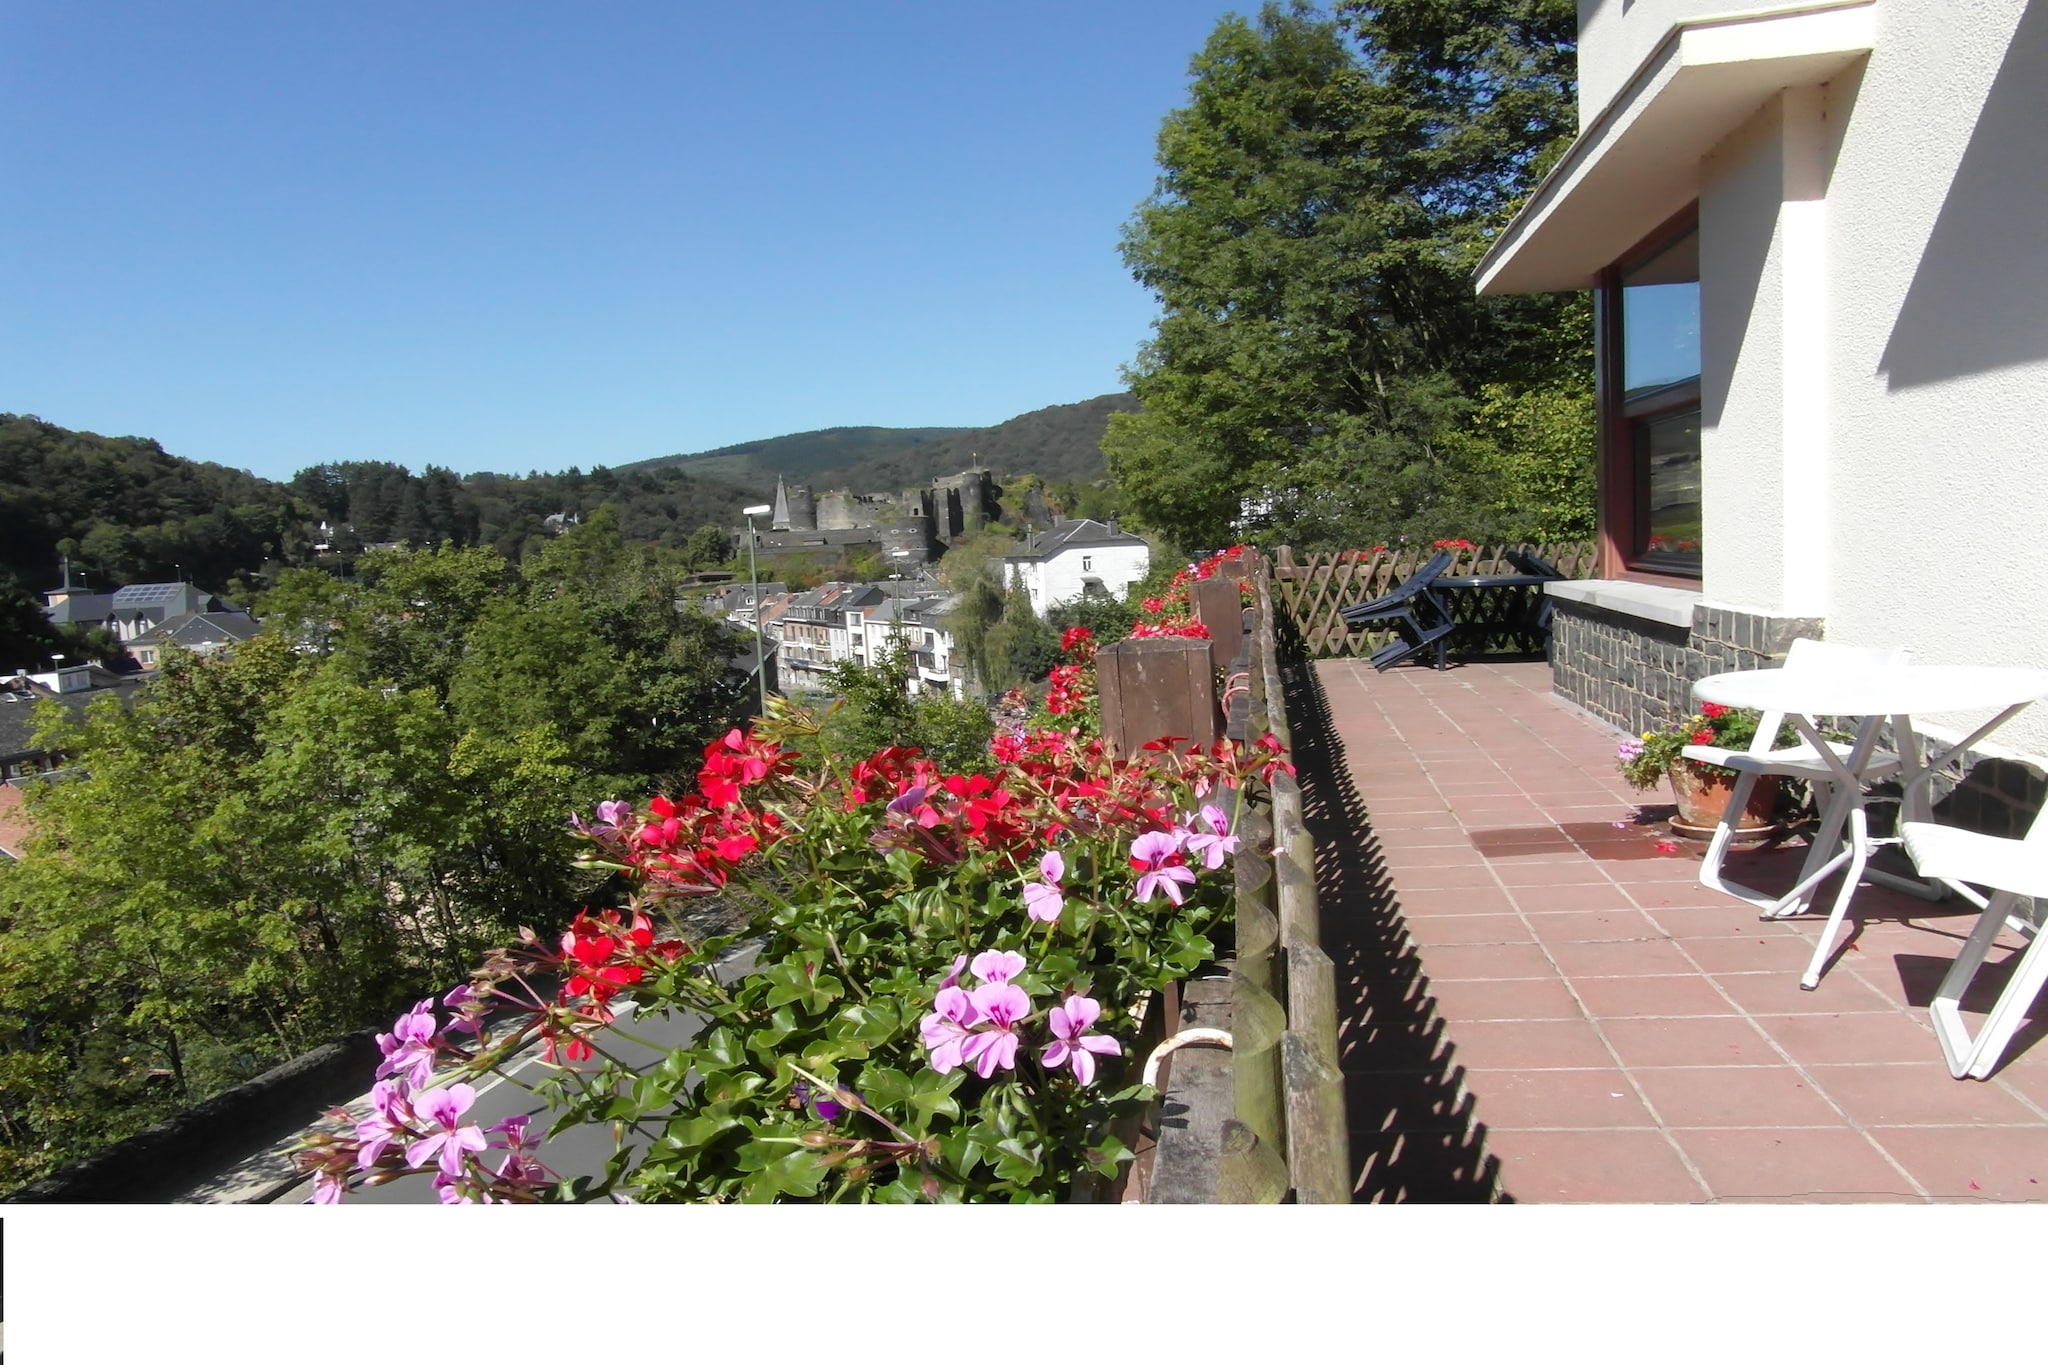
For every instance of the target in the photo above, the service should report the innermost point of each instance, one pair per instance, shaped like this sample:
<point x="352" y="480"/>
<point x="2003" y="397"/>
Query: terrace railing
<point x="1310" y="591"/>
<point x="1289" y="1133"/>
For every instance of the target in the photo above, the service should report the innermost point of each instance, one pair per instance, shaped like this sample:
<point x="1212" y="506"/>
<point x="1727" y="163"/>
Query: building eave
<point x="1638" y="162"/>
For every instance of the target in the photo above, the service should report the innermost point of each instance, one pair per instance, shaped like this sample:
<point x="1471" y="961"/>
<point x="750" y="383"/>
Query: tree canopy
<point x="278" y="846"/>
<point x="1320" y="365"/>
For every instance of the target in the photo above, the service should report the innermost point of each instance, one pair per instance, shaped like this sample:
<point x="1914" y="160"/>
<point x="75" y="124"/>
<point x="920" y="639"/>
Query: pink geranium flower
<point x="442" y="1109"/>
<point x="1002" y="1006"/>
<point x="1043" y="899"/>
<point x="1072" y="1044"/>
<point x="409" y="1047"/>
<point x="1157" y="857"/>
<point x="391" y="1121"/>
<point x="994" y="968"/>
<point x="1208" y="834"/>
<point x="947" y="1028"/>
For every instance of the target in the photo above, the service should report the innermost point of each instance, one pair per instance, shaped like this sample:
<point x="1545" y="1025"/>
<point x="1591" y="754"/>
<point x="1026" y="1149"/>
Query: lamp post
<point x="760" y="630"/>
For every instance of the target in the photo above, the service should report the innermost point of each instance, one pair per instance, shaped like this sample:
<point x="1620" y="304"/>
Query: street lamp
<point x="760" y="630"/>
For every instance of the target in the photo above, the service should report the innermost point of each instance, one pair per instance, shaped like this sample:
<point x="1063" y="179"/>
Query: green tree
<point x="1321" y="201"/>
<point x="1019" y="648"/>
<point x="975" y="611"/>
<point x="877" y="708"/>
<point x="707" y="548"/>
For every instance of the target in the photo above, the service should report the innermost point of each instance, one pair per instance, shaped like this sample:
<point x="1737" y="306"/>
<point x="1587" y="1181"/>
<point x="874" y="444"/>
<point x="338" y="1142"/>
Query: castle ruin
<point x="912" y="528"/>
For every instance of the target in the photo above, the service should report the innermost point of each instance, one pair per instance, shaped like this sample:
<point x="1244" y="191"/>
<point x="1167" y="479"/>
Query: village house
<point x="1074" y="559"/>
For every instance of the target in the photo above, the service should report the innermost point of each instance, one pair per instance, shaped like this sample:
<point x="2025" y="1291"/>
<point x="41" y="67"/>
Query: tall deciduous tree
<point x="1321" y="202"/>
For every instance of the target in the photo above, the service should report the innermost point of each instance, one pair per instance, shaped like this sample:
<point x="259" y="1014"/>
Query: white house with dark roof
<point x="1075" y="559"/>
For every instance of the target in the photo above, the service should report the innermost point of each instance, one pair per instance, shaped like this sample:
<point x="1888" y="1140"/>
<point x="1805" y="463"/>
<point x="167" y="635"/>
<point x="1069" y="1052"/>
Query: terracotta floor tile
<point x="1659" y="870"/>
<point x="1922" y="1093"/>
<point x="1702" y="901"/>
<point x="1398" y="857"/>
<point x="1418" y="815"/>
<point x="1456" y="875"/>
<point x="1449" y="834"/>
<point x="1592" y="926"/>
<point x="1650" y="957"/>
<point x="1976" y="1164"/>
<point x="1771" y="948"/>
<point x="1437" y="930"/>
<point x="1528" y="1045"/>
<point x="1430" y="903"/>
<point x="1576" y="870"/>
<point x="1735" y="1097"/>
<point x="1623" y="1166"/>
<point x="1594" y="1097"/>
<point x="2024" y="1068"/>
<point x="1636" y="997"/>
<point x="1488" y="962"/>
<point x="1562" y="854"/>
<point x="1689" y="1040"/>
<point x="1487" y="808"/>
<point x="1794" y="1165"/>
<point x="1695" y="922"/>
<point x="1822" y="1039"/>
<point x="1466" y="793"/>
<point x="1601" y="895"/>
<point x="1533" y="998"/>
<point x="1779" y="993"/>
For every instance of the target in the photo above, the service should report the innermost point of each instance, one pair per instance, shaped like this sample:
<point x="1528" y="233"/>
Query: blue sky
<point x="519" y="236"/>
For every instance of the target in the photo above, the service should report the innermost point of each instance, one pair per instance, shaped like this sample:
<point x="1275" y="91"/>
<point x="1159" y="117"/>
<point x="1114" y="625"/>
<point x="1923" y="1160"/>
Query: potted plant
<point x="1702" y="789"/>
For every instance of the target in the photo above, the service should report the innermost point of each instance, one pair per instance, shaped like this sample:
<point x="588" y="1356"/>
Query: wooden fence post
<point x="1156" y="687"/>
<point x="1219" y="606"/>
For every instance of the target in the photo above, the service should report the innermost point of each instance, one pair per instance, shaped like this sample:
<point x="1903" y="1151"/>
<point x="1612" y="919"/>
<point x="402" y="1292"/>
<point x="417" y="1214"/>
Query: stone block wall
<point x="1637" y="674"/>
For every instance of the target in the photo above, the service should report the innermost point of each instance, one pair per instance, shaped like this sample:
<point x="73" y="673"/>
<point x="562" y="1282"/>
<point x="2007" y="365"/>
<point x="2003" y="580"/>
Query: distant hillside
<point x="126" y="510"/>
<point x="804" y="457"/>
<point x="1061" y="444"/>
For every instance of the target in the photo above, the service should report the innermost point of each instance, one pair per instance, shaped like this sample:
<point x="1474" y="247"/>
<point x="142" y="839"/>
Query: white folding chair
<point x="1837" y="778"/>
<point x="2012" y="868"/>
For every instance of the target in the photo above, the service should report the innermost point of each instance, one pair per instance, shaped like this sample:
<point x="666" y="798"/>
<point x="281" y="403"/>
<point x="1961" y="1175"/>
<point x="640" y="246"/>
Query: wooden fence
<point x="1288" y="1135"/>
<point x="1311" y="591"/>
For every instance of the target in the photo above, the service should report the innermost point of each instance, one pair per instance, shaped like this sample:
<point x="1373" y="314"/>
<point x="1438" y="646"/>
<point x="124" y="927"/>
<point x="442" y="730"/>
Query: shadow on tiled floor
<point x="1413" y="1137"/>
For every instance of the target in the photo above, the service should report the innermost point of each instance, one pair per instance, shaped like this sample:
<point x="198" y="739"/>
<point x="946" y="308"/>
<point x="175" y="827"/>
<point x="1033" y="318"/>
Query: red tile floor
<point x="1548" y="1008"/>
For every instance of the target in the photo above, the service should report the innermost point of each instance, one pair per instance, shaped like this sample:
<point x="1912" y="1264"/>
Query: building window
<point x="1650" y="383"/>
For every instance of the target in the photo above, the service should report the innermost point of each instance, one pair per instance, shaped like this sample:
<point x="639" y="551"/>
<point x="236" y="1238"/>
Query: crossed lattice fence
<point x="1311" y="591"/>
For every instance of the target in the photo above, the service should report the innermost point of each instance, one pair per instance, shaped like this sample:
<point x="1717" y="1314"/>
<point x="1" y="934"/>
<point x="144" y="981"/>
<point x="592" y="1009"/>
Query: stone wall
<point x="1638" y="674"/>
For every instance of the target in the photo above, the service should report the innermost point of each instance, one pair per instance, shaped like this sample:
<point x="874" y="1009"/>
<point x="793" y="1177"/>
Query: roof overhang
<point x="1638" y="162"/>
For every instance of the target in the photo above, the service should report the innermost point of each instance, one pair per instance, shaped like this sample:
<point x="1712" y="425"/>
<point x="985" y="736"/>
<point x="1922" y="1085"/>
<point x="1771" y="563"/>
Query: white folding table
<point x="1897" y="693"/>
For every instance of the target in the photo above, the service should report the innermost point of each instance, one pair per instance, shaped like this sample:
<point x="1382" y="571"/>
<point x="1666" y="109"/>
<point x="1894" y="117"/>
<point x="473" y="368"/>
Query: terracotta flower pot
<point x="1704" y="789"/>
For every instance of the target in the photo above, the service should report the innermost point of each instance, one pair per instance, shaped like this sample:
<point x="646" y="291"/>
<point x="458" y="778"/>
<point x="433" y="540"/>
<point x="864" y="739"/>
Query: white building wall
<point x="1616" y="36"/>
<point x="1939" y="219"/>
<point x="1060" y="578"/>
<point x="1874" y="336"/>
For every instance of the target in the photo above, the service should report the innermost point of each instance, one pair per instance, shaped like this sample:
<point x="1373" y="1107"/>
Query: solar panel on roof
<point x="146" y="594"/>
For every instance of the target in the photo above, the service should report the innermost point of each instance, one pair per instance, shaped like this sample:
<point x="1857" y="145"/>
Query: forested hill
<point x="132" y="510"/>
<point x="1060" y="444"/>
<point x="126" y="511"/>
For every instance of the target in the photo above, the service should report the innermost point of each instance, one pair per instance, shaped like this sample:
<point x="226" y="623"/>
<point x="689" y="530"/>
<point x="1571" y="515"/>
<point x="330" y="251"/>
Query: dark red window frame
<point x="1624" y="491"/>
